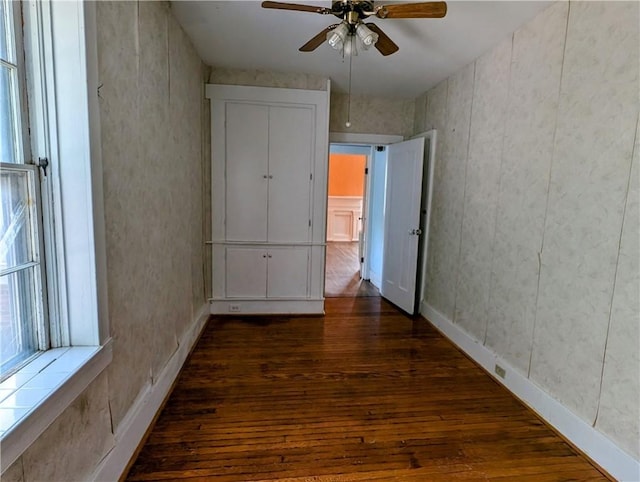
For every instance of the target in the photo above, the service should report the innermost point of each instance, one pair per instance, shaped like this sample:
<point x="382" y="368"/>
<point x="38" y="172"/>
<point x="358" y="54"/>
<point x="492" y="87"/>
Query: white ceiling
<point x="240" y="34"/>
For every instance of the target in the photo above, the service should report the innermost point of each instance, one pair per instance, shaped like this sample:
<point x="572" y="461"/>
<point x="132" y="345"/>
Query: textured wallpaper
<point x="587" y="191"/>
<point x="619" y="412"/>
<point x="490" y="92"/>
<point x="267" y="78"/>
<point x="420" y="114"/>
<point x="371" y="115"/>
<point x="534" y="83"/>
<point x="448" y="193"/>
<point x="151" y="132"/>
<point x="534" y="235"/>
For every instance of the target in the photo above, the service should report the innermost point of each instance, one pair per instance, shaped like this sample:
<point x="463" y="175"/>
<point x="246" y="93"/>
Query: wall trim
<point x="306" y="306"/>
<point x="367" y="139"/>
<point x="593" y="443"/>
<point x="140" y="416"/>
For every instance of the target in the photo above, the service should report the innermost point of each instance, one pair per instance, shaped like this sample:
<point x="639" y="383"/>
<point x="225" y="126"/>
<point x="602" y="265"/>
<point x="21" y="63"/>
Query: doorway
<point x="388" y="269"/>
<point x="348" y="206"/>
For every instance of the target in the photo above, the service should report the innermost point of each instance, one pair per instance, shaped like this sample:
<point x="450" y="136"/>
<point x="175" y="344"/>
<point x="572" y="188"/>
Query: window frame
<point x="40" y="325"/>
<point x="61" y="50"/>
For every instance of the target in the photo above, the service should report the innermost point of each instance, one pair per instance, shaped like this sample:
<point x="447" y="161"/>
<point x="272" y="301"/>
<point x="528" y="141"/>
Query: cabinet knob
<point x="264" y="255"/>
<point x="264" y="177"/>
<point x="270" y="176"/>
<point x="269" y="255"/>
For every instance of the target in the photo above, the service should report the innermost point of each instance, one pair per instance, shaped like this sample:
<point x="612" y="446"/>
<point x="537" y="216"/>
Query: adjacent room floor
<point x="342" y="277"/>
<point x="365" y="393"/>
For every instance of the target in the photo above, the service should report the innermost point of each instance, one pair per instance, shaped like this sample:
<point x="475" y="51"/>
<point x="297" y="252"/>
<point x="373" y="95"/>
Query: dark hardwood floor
<point x="363" y="394"/>
<point x="342" y="275"/>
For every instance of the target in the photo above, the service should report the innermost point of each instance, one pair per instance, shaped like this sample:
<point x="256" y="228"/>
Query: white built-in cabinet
<point x="269" y="183"/>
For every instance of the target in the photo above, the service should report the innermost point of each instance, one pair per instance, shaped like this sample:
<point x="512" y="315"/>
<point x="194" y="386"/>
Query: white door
<point x="288" y="272"/>
<point x="247" y="176"/>
<point x="291" y="131"/>
<point x="402" y="223"/>
<point x="246" y="272"/>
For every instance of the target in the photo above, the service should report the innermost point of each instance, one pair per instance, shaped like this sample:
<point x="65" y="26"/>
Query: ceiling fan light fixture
<point x="367" y="36"/>
<point x="336" y="38"/>
<point x="350" y="47"/>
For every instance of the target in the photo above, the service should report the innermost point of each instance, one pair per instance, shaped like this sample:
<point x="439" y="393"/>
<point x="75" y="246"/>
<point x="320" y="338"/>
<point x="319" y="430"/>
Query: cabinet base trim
<point x="267" y="307"/>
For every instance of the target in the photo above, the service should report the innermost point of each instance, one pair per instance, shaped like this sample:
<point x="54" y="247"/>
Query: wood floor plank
<point x="364" y="393"/>
<point x="342" y="274"/>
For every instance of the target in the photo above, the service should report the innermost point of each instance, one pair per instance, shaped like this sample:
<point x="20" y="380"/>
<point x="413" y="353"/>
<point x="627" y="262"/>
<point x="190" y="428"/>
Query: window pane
<point x="15" y="240"/>
<point x="17" y="318"/>
<point x="4" y="31"/>
<point x="8" y="137"/>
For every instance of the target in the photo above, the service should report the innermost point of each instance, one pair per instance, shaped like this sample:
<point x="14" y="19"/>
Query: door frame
<point x="367" y="141"/>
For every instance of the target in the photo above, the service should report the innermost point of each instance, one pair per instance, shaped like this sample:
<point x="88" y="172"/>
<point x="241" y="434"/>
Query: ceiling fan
<point x="353" y="14"/>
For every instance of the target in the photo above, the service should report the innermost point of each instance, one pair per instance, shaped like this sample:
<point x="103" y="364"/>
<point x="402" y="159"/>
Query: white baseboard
<point x="142" y="412"/>
<point x="593" y="443"/>
<point x="267" y="307"/>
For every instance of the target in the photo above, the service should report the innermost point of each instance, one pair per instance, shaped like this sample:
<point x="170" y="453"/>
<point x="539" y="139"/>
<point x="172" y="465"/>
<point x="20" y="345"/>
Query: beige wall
<point x="371" y="115"/>
<point x="153" y="161"/>
<point x="267" y="78"/>
<point x="534" y="235"/>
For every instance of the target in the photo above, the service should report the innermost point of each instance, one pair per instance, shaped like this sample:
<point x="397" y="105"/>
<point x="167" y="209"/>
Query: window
<point x="54" y="334"/>
<point x="22" y="314"/>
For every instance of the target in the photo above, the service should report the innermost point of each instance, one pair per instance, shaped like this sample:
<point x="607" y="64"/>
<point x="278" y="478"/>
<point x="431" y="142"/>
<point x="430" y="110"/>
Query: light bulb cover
<point x="367" y="36"/>
<point x="337" y="36"/>
<point x="350" y="47"/>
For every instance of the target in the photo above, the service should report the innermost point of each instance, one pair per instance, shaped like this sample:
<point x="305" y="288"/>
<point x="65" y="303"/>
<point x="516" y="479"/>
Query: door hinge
<point x="380" y="148"/>
<point x="43" y="162"/>
<point x="309" y="222"/>
<point x="362" y="260"/>
<point x="311" y="177"/>
<point x="366" y="171"/>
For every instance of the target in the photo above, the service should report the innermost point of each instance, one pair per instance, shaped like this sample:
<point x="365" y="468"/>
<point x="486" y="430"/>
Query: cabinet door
<point x="288" y="272"/>
<point x="246" y="166"/>
<point x="291" y="140"/>
<point x="246" y="272"/>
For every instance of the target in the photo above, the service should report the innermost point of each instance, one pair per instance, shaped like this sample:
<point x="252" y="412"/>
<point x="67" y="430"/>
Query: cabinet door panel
<point x="288" y="272"/>
<point x="291" y="142"/>
<point x="247" y="150"/>
<point x="246" y="272"/>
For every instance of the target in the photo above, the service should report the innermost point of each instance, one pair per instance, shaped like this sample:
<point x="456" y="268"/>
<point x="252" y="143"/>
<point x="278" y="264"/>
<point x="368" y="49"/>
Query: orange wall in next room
<point x="346" y="174"/>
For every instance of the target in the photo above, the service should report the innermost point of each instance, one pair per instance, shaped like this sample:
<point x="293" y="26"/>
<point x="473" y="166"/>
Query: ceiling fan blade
<point x="385" y="45"/>
<point x="318" y="40"/>
<point x="412" y="10"/>
<point x="294" y="6"/>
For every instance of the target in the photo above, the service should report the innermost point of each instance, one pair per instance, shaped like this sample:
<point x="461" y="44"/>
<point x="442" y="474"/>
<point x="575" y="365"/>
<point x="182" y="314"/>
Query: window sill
<point x="32" y="398"/>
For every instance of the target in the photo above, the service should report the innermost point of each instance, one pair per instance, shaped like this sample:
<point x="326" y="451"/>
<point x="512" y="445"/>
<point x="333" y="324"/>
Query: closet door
<point x="246" y="272"/>
<point x="288" y="272"/>
<point x="291" y="141"/>
<point x="247" y="171"/>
